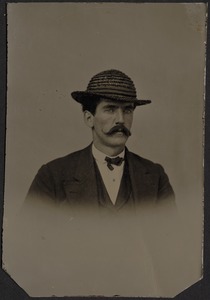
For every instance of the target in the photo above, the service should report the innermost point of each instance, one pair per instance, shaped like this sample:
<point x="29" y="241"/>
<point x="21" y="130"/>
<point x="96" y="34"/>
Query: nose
<point x="119" y="119"/>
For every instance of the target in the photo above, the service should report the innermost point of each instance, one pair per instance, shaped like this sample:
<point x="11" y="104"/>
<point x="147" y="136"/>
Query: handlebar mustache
<point x="119" y="128"/>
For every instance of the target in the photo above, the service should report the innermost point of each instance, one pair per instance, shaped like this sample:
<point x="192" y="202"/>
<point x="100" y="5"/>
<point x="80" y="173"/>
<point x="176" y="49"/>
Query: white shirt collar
<point x="100" y="156"/>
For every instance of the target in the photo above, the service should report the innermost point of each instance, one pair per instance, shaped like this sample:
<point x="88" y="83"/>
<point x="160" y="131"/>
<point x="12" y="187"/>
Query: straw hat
<point x="111" y="84"/>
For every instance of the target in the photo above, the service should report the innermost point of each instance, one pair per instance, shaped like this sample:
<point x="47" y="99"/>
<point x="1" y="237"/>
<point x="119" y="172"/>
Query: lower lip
<point x="119" y="133"/>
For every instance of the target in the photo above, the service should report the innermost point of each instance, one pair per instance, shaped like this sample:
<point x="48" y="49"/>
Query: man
<point x="106" y="174"/>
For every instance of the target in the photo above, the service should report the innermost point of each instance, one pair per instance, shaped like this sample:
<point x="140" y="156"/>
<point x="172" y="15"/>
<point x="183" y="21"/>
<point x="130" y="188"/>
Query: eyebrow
<point x="110" y="105"/>
<point x="129" y="106"/>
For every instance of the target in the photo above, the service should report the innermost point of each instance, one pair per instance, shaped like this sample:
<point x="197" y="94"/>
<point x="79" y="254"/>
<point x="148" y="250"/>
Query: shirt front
<point x="111" y="178"/>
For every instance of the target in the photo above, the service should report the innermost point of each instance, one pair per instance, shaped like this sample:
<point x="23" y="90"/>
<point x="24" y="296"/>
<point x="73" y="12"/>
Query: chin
<point x="119" y="141"/>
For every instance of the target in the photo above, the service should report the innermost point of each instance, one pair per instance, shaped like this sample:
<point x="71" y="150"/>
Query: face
<point x="111" y="124"/>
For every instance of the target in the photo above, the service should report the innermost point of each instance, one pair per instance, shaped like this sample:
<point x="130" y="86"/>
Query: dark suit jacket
<point x="72" y="179"/>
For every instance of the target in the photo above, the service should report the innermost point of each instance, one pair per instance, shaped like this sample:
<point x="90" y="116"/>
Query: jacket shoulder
<point x="67" y="161"/>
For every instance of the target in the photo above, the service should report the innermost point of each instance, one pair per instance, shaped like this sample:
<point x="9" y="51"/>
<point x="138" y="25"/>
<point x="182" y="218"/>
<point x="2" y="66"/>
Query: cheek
<point x="129" y="120"/>
<point x="103" y="124"/>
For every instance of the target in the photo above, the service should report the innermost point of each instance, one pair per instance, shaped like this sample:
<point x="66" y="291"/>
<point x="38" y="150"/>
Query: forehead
<point x="105" y="102"/>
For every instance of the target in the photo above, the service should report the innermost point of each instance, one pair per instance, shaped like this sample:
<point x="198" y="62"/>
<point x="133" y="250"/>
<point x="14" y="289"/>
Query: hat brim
<point x="83" y="97"/>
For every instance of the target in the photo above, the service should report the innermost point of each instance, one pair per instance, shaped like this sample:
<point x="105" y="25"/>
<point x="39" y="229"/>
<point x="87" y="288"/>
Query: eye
<point x="110" y="109"/>
<point x="128" y="110"/>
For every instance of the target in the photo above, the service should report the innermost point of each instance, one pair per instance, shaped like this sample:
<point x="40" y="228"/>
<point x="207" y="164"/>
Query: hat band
<point x="116" y="92"/>
<point x="113" y="97"/>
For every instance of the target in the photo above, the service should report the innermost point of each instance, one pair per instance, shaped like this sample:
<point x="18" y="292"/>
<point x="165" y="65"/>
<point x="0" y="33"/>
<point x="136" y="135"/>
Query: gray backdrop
<point x="54" y="49"/>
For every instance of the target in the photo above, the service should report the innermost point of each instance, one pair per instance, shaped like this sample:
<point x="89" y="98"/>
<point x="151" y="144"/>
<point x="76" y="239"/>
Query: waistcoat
<point x="124" y="196"/>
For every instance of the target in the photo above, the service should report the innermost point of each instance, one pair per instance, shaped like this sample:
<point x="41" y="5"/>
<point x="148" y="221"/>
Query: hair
<point x="90" y="106"/>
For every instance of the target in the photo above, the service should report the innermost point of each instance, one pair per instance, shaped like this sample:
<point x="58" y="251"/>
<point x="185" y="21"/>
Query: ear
<point x="88" y="118"/>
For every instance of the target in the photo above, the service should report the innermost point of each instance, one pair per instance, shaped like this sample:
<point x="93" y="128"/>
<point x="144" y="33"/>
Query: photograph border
<point x="9" y="290"/>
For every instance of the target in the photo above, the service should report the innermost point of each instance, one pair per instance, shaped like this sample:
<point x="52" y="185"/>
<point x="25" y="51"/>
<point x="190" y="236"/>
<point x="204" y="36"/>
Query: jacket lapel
<point x="81" y="189"/>
<point x="144" y="183"/>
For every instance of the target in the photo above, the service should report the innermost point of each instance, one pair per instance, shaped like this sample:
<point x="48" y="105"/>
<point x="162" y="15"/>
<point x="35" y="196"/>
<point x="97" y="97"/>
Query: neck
<point x="110" y="151"/>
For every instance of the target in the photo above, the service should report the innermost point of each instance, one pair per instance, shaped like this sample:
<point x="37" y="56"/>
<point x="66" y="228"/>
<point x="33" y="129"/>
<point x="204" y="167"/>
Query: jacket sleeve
<point x="165" y="190"/>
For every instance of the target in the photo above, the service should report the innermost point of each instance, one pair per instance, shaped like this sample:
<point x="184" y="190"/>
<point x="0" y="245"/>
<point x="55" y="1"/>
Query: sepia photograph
<point x="104" y="165"/>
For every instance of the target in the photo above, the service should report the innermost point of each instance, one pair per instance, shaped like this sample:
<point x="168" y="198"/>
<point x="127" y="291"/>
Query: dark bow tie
<point x="117" y="161"/>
